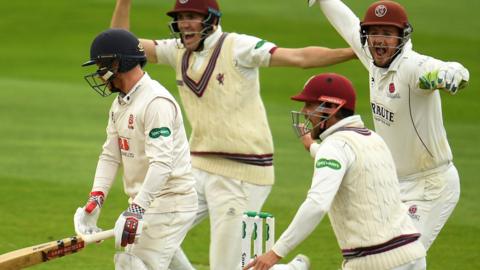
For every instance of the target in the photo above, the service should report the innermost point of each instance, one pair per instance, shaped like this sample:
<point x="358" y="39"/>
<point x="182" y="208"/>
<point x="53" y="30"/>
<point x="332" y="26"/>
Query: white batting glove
<point x="129" y="226"/>
<point x="451" y="79"/>
<point x="85" y="218"/>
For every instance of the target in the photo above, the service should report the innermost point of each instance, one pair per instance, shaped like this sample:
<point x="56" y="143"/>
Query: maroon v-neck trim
<point x="199" y="87"/>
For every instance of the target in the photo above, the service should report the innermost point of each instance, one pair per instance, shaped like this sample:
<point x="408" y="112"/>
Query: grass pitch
<point x="52" y="123"/>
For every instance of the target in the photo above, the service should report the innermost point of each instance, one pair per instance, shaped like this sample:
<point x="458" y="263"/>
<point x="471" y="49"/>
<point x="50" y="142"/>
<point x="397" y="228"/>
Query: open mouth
<point x="380" y="51"/>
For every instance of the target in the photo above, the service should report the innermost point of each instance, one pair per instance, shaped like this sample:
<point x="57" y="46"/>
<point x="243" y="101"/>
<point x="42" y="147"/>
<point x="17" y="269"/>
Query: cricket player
<point x="406" y="107"/>
<point x="231" y="143"/>
<point x="354" y="181"/>
<point x="145" y="134"/>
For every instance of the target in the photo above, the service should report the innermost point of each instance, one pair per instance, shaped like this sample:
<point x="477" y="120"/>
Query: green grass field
<point x="52" y="123"/>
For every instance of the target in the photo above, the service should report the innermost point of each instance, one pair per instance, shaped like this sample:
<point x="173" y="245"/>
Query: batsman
<point x="145" y="134"/>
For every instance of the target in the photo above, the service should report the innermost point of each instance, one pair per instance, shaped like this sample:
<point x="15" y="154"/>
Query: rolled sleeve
<point x="252" y="52"/>
<point x="166" y="51"/>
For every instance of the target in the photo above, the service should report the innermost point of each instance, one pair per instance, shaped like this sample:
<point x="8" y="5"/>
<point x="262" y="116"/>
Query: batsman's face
<point x="315" y="117"/>
<point x="383" y="42"/>
<point x="190" y="26"/>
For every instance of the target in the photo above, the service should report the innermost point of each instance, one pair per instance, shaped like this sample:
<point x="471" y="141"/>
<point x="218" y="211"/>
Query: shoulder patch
<point x="260" y="43"/>
<point x="331" y="163"/>
<point x="157" y="132"/>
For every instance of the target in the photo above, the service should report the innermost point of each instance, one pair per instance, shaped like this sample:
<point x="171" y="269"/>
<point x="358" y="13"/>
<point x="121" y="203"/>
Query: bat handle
<point x="96" y="237"/>
<point x="92" y="238"/>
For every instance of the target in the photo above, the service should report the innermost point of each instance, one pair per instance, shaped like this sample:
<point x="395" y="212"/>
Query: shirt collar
<point x="212" y="39"/>
<point x="127" y="99"/>
<point x="351" y="121"/>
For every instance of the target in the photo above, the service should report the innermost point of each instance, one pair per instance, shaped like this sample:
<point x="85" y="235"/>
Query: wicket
<point x="252" y="228"/>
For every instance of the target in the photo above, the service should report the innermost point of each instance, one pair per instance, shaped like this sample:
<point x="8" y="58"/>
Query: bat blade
<point x="33" y="255"/>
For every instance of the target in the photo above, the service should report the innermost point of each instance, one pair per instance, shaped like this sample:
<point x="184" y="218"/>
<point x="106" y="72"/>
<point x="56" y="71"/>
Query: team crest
<point x="392" y="91"/>
<point x="130" y="121"/>
<point x="220" y="78"/>
<point x="140" y="47"/>
<point x="391" y="88"/>
<point x="412" y="212"/>
<point x="380" y="11"/>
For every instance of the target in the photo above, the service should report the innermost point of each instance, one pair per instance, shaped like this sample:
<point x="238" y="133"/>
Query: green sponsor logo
<point x="260" y="44"/>
<point x="331" y="163"/>
<point x="157" y="132"/>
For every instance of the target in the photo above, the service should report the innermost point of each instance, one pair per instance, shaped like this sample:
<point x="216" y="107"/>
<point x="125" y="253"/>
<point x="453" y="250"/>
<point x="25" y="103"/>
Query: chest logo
<point x="330" y="163"/>
<point x="157" y="132"/>
<point x="392" y="91"/>
<point x="130" y="121"/>
<point x="391" y="88"/>
<point x="123" y="144"/>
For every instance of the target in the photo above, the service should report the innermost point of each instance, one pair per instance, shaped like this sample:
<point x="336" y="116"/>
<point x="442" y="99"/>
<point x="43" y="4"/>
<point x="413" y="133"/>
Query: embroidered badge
<point x="130" y="121"/>
<point x="157" y="132"/>
<point x="380" y="11"/>
<point x="331" y="163"/>
<point x="391" y="88"/>
<point x="412" y="212"/>
<point x="220" y="78"/>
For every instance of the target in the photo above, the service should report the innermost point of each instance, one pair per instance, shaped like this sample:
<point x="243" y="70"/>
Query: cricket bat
<point x="29" y="256"/>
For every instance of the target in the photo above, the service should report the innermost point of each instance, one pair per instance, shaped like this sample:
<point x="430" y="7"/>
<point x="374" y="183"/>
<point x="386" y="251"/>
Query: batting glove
<point x="451" y="79"/>
<point x="85" y="218"/>
<point x="129" y="225"/>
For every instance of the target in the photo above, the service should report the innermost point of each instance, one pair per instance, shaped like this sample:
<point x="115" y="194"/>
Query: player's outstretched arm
<point x="121" y="19"/>
<point x="310" y="57"/>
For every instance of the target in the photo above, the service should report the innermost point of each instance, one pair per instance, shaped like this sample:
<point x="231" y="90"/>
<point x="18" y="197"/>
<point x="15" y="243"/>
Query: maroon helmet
<point x="205" y="7"/>
<point x="208" y="8"/>
<point x="386" y="13"/>
<point x="332" y="92"/>
<point x="328" y="87"/>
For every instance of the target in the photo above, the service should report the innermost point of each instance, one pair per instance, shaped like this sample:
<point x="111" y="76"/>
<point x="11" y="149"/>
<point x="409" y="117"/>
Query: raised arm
<point x="310" y="57"/>
<point x="121" y="19"/>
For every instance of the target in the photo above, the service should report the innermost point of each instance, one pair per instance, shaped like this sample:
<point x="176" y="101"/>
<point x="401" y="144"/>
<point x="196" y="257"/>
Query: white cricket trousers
<point x="430" y="198"/>
<point x="163" y="237"/>
<point x="224" y="200"/>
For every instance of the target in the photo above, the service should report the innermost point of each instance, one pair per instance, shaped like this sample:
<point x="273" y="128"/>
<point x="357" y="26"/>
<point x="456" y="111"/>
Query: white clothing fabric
<point x="431" y="200"/>
<point x="359" y="189"/>
<point x="225" y="200"/>
<point x="399" y="106"/>
<point x="418" y="264"/>
<point x="225" y="197"/>
<point x="409" y="119"/>
<point x="245" y="57"/>
<point x="162" y="239"/>
<point x="145" y="134"/>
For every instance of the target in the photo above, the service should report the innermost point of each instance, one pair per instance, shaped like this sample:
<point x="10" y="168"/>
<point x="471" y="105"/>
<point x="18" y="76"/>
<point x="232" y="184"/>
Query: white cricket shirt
<point x="408" y="118"/>
<point x="145" y="134"/>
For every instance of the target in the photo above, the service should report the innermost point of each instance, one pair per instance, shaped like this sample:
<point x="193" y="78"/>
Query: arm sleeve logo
<point x="331" y="163"/>
<point x="260" y="44"/>
<point x="157" y="132"/>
